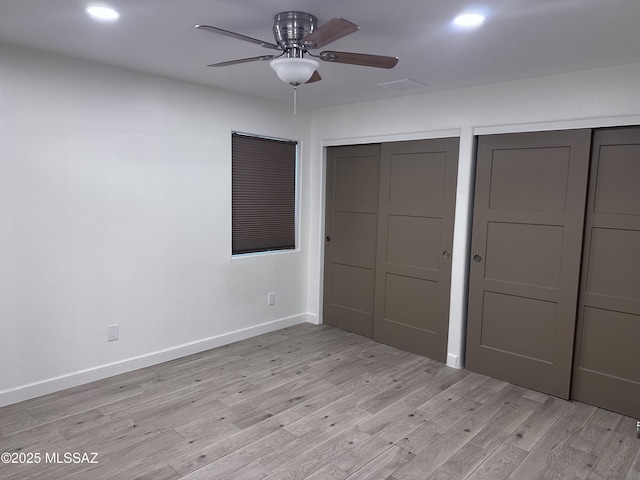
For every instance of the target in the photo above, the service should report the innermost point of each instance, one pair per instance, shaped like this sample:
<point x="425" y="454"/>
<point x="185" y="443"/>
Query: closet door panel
<point x="526" y="241"/>
<point x="607" y="360"/>
<point x="415" y="237"/>
<point x="351" y="226"/>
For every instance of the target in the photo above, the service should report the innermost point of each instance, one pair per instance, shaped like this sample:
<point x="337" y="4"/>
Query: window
<point x="263" y="194"/>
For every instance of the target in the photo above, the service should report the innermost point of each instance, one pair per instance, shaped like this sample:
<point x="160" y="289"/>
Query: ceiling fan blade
<point x="329" y="32"/>
<point x="243" y="60"/>
<point x="239" y="36"/>
<point x="378" y="61"/>
<point x="314" y="78"/>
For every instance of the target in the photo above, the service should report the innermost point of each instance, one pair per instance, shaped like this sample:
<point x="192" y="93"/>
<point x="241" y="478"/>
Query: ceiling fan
<point x="296" y="34"/>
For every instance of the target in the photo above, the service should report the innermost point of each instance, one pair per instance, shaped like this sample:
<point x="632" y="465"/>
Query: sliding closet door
<point x="415" y="237"/>
<point x="350" y="246"/>
<point x="526" y="247"/>
<point x="607" y="362"/>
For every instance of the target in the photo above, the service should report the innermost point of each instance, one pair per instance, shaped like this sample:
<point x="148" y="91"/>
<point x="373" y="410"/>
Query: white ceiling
<point x="519" y="39"/>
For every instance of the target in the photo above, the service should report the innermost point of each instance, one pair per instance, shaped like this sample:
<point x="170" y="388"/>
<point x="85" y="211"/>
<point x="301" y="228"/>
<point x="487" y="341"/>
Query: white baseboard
<point x="51" y="385"/>
<point x="313" y="318"/>
<point x="454" y="361"/>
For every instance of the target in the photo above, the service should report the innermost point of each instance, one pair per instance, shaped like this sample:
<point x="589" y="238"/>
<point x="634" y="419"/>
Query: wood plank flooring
<point x="318" y="403"/>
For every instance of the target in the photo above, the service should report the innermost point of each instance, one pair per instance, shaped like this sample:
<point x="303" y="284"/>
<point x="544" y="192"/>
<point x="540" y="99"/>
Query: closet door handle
<point x="477" y="258"/>
<point x="446" y="254"/>
<point x="328" y="238"/>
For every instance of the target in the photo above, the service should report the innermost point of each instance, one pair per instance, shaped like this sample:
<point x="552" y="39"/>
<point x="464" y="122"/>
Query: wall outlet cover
<point x="113" y="333"/>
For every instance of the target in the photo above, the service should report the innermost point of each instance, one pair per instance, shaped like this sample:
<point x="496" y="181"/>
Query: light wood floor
<point x="316" y="403"/>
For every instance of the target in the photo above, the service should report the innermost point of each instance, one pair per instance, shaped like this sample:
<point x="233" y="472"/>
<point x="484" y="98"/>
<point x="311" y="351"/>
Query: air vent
<point x="403" y="85"/>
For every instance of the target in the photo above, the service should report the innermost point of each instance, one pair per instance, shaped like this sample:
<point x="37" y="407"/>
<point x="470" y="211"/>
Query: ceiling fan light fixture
<point x="294" y="71"/>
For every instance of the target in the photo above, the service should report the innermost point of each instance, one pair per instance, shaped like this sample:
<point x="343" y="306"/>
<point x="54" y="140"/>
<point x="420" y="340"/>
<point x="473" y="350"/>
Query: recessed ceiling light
<point x="100" y="12"/>
<point x="469" y="20"/>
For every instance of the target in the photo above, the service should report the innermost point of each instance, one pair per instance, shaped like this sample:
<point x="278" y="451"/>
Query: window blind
<point x="263" y="194"/>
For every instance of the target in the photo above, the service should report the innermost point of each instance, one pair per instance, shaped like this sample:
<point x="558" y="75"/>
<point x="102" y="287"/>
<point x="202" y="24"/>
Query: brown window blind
<point x="263" y="194"/>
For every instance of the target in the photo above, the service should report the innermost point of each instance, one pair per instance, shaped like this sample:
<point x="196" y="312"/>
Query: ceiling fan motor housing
<point x="289" y="28"/>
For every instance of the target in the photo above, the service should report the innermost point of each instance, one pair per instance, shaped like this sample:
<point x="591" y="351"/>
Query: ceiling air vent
<point x="403" y="85"/>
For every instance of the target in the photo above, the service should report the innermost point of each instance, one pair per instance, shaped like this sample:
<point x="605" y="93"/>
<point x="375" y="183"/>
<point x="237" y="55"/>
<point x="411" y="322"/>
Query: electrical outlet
<point x="271" y="299"/>
<point x="113" y="333"/>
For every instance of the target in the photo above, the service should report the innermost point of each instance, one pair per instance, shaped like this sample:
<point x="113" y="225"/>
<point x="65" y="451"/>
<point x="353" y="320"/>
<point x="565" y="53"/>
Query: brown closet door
<point x="350" y="245"/>
<point x="607" y="362"/>
<point x="415" y="236"/>
<point x="526" y="244"/>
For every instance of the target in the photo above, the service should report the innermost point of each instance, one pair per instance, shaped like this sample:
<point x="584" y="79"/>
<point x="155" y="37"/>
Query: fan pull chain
<point x="295" y="101"/>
